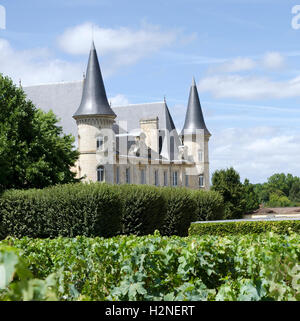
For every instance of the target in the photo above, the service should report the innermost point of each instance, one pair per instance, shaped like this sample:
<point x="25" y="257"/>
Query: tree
<point x="278" y="201"/>
<point x="34" y="152"/>
<point x="282" y="182"/>
<point x="250" y="196"/>
<point x="294" y="194"/>
<point x="227" y="183"/>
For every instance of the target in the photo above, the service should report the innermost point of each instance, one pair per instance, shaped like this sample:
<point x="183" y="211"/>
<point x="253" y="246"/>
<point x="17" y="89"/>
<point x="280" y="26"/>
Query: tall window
<point x="127" y="175"/>
<point x="100" y="173"/>
<point x="118" y="175"/>
<point x="100" y="143"/>
<point x="186" y="180"/>
<point x="143" y="176"/>
<point x="201" y="180"/>
<point x="165" y="178"/>
<point x="200" y="155"/>
<point x="175" y="179"/>
<point x="156" y="178"/>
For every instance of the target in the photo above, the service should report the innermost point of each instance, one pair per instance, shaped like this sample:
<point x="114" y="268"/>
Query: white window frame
<point x="100" y="143"/>
<point x="200" y="155"/>
<point x="186" y="180"/>
<point x="100" y="173"/>
<point x="175" y="178"/>
<point x="165" y="178"/>
<point x="201" y="180"/>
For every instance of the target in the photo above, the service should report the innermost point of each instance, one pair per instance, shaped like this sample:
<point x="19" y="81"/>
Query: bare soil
<point x="278" y="210"/>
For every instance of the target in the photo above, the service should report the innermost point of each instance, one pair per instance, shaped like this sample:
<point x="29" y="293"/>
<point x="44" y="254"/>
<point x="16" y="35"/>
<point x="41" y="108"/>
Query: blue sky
<point x="245" y="57"/>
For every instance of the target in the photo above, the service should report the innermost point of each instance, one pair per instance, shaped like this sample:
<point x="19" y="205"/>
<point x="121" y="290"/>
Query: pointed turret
<point x="194" y="117"/>
<point x="94" y="100"/>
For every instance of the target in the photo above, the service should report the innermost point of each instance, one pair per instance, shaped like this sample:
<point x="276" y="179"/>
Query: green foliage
<point x="180" y="211"/>
<point x="142" y="209"/>
<point x="252" y="267"/>
<point x="104" y="210"/>
<point x="34" y="152"/>
<point x="64" y="210"/>
<point x="17" y="282"/>
<point x="281" y="185"/>
<point x="294" y="194"/>
<point x="250" y="197"/>
<point x="227" y="183"/>
<point x="278" y="201"/>
<point x="209" y="205"/>
<point x="244" y="227"/>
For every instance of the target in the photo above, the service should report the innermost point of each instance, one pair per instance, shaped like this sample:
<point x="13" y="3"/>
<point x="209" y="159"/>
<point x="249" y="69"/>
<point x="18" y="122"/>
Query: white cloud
<point x="237" y="64"/>
<point x="35" y="66"/>
<point x="273" y="60"/>
<point x="123" y="45"/>
<point x="256" y="153"/>
<point x="247" y="87"/>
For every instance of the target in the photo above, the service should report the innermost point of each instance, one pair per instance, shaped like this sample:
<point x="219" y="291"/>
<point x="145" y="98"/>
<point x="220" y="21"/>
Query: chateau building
<point x="134" y="144"/>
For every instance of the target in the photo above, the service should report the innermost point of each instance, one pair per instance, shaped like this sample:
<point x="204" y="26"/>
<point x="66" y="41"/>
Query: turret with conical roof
<point x="94" y="100"/>
<point x="194" y="117"/>
<point x="195" y="137"/>
<point x="95" y="118"/>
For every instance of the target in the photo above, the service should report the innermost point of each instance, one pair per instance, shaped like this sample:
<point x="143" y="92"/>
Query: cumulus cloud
<point x="237" y="64"/>
<point x="36" y="66"/>
<point x="256" y="153"/>
<point x="249" y="87"/>
<point x="273" y="60"/>
<point x="123" y="45"/>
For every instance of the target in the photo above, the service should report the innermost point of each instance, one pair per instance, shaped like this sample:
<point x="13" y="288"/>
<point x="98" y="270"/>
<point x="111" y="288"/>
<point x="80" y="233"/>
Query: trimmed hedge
<point x="180" y="211"/>
<point x="209" y="205"/>
<point x="142" y="209"/>
<point x="65" y="210"/>
<point x="244" y="227"/>
<point x="104" y="210"/>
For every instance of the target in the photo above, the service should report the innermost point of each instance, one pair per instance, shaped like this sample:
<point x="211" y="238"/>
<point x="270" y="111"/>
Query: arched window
<point x="100" y="173"/>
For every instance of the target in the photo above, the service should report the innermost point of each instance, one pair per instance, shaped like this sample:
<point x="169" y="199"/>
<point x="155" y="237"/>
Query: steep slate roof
<point x="194" y="117"/>
<point x="94" y="100"/>
<point x="63" y="98"/>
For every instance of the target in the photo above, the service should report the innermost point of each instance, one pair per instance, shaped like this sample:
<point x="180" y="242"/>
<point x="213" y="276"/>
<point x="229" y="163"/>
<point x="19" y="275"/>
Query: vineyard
<point x="153" y="267"/>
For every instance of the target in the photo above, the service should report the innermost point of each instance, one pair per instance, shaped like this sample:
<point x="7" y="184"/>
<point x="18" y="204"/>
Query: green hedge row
<point x="104" y="210"/>
<point x="244" y="227"/>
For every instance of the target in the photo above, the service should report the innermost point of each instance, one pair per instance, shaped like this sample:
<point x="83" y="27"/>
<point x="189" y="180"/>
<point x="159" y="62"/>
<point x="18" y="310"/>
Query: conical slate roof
<point x="194" y="117"/>
<point x="94" y="99"/>
<point x="169" y="121"/>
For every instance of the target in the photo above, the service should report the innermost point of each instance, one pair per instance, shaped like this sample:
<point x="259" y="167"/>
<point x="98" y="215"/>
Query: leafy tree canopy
<point x="227" y="183"/>
<point x="34" y="152"/>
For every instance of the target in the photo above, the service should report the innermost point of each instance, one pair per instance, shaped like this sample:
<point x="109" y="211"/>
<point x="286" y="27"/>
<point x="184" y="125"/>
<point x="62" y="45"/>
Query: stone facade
<point x="152" y="154"/>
